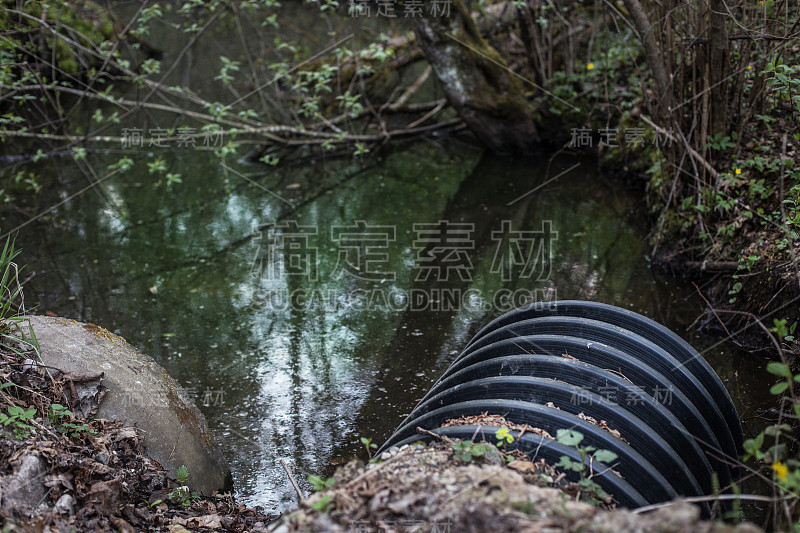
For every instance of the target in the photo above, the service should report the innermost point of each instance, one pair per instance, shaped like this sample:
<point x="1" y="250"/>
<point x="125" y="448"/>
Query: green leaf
<point x="779" y="388"/>
<point x="569" y="437"/>
<point x="779" y="369"/>
<point x="751" y="446"/>
<point x="605" y="456"/>
<point x="568" y="464"/>
<point x="478" y="451"/>
<point x="318" y="483"/>
<point x="323" y="505"/>
<point x="182" y="474"/>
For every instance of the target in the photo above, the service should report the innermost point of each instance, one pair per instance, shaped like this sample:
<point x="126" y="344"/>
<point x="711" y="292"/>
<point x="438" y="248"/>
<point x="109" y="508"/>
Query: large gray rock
<point x="22" y="491"/>
<point x="141" y="394"/>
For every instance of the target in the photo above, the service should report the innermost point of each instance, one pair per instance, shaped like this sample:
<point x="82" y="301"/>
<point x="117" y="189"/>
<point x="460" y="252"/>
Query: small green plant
<point x="182" y="474"/>
<point x="775" y="448"/>
<point x="59" y="417"/>
<point x="466" y="450"/>
<point x="361" y="149"/>
<point x="323" y="505"/>
<point x="527" y="507"/>
<point x="720" y="142"/>
<point x="504" y="438"/>
<point x="369" y="445"/>
<point x="589" y="455"/>
<point x="13" y="335"/>
<point x="783" y="332"/>
<point x="17" y="419"/>
<point x="318" y="483"/>
<point x="172" y="178"/>
<point x="227" y="65"/>
<point x="181" y="495"/>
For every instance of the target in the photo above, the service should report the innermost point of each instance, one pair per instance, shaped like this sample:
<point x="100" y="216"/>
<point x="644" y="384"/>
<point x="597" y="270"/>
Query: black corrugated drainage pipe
<point x="549" y="362"/>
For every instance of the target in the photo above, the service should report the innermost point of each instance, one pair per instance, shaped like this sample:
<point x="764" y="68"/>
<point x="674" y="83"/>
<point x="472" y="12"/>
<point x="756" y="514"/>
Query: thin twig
<point x="697" y="157"/>
<point x="700" y="499"/>
<point x="784" y="225"/>
<point x="721" y="323"/>
<point x="292" y="480"/>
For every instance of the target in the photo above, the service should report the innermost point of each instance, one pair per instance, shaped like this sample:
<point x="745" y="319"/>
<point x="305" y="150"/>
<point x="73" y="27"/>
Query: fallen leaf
<point x="523" y="467"/>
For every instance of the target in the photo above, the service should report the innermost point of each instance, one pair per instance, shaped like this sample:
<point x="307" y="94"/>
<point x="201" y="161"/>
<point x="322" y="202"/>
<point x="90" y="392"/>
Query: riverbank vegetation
<point x="696" y="103"/>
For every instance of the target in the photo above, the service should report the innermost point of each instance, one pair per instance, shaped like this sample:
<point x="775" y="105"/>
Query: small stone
<point x="493" y="456"/>
<point x="747" y="527"/>
<point x="64" y="505"/>
<point x="102" y="458"/>
<point x="679" y="513"/>
<point x="23" y="489"/>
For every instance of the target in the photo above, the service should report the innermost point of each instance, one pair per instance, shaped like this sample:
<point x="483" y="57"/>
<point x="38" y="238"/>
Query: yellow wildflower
<point x="738" y="171"/>
<point x="502" y="434"/>
<point x="781" y="470"/>
<point x="590" y="66"/>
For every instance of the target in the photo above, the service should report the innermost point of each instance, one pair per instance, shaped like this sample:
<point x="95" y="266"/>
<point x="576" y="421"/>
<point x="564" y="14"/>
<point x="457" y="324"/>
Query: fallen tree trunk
<point x="487" y="95"/>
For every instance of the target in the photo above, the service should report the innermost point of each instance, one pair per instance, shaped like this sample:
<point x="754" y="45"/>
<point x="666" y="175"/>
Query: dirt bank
<point x="434" y="489"/>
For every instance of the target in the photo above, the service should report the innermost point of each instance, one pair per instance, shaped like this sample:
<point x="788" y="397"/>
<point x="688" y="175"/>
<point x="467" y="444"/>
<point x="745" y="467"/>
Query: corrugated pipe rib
<point x="553" y="364"/>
